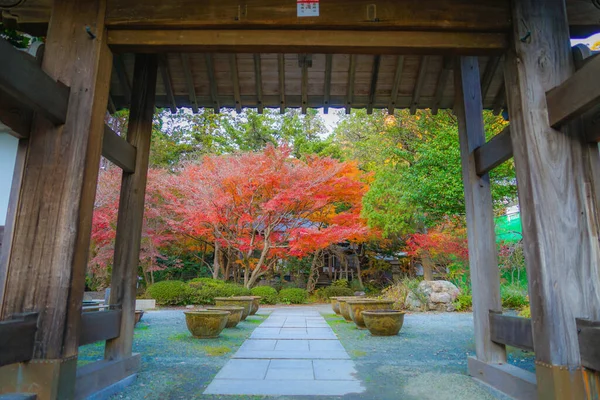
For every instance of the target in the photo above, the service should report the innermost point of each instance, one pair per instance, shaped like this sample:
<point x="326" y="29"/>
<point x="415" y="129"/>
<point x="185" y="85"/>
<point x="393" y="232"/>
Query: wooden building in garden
<point x="465" y="55"/>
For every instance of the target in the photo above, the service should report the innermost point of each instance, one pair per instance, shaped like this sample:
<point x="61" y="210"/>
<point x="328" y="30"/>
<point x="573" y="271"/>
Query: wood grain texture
<point x="17" y="336"/>
<point x="96" y="376"/>
<point x="483" y="257"/>
<point x="99" y="325"/>
<point x="576" y="95"/>
<point x="518" y="383"/>
<point x="319" y="41"/>
<point x="189" y="81"/>
<point x="556" y="194"/>
<point x="118" y="151"/>
<point x="589" y="343"/>
<point x="511" y="331"/>
<point x="131" y="205"/>
<point x="493" y="153"/>
<point x="22" y="79"/>
<point x="50" y="245"/>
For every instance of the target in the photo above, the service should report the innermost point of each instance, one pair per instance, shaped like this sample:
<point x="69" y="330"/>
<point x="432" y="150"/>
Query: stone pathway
<point x="293" y="352"/>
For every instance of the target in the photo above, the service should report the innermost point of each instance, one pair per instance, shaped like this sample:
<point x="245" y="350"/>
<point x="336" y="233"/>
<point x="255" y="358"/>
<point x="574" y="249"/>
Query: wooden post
<point x="556" y="197"/>
<point x="51" y="234"/>
<point x="483" y="258"/>
<point x="131" y="204"/>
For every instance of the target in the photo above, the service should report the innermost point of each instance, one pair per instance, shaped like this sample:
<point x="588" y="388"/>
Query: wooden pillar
<point x="555" y="196"/>
<point x="51" y="234"/>
<point x="483" y="257"/>
<point x="131" y="204"/>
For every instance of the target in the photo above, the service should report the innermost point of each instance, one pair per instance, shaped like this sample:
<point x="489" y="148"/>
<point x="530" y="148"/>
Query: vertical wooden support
<point x="556" y="197"/>
<point x="483" y="258"/>
<point x="131" y="205"/>
<point x="50" y="244"/>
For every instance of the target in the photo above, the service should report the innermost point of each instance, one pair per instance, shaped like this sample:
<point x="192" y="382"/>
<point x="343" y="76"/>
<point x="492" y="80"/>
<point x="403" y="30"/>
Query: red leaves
<point x="437" y="243"/>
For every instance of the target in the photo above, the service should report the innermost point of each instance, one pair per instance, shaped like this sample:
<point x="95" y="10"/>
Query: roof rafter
<point x="327" y="84"/>
<point x="396" y="85"/>
<point x="166" y="78"/>
<point x="350" y="86"/>
<point x="189" y="81"/>
<point x="210" y="70"/>
<point x="373" y="87"/>
<point x="258" y="75"/>
<point x="281" y="71"/>
<point x="419" y="85"/>
<point x="235" y="79"/>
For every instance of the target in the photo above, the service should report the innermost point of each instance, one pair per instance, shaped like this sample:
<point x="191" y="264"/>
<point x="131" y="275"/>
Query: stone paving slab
<point x="293" y="352"/>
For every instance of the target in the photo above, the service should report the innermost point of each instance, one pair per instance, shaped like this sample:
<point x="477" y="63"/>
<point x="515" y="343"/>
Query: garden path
<point x="293" y="352"/>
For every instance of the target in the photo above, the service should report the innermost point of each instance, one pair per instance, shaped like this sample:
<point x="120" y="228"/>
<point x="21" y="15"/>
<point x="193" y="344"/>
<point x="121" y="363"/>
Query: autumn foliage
<point x="254" y="208"/>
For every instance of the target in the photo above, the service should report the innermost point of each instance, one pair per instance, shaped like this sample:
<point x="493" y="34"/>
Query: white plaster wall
<point x="8" y="154"/>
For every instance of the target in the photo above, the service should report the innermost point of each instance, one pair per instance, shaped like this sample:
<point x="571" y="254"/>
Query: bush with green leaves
<point x="514" y="296"/>
<point x="204" y="290"/>
<point x="169" y="293"/>
<point x="341" y="283"/>
<point x="463" y="302"/>
<point x="269" y="295"/>
<point x="335" y="291"/>
<point x="293" y="296"/>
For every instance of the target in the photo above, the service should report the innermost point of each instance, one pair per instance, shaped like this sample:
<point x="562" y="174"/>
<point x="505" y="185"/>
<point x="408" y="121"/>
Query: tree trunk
<point x="427" y="268"/>
<point x="313" y="276"/>
<point x="358" y="270"/>
<point x="216" y="263"/>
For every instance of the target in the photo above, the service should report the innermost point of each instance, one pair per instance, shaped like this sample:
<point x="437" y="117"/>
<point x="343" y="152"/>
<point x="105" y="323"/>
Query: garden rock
<point x="439" y="296"/>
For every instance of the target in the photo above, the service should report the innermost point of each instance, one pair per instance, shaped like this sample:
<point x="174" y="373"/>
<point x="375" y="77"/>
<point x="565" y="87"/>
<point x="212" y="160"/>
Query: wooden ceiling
<point x="260" y="54"/>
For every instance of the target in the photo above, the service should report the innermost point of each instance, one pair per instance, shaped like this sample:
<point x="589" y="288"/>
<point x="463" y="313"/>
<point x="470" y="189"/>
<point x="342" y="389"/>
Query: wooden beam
<point x="396" y="84"/>
<point x="99" y="325"/>
<point x="419" y="84"/>
<point x="350" y="84"/>
<point x="119" y="67"/>
<point x="499" y="100"/>
<point x="483" y="257"/>
<point x="22" y="79"/>
<point x="589" y="343"/>
<point x="304" y="86"/>
<point x="488" y="75"/>
<point x="327" y="83"/>
<point x="189" y="81"/>
<point x="517" y="383"/>
<point x="258" y="78"/>
<point x="118" y="151"/>
<point x="131" y="205"/>
<point x="235" y="79"/>
<point x="281" y="74"/>
<point x="493" y="153"/>
<point x="17" y="337"/>
<point x="459" y="15"/>
<point x="166" y="78"/>
<point x="511" y="331"/>
<point x="212" y="82"/>
<point x="373" y="87"/>
<point x="441" y="83"/>
<point x="92" y="378"/>
<point x="553" y="173"/>
<point x="111" y="105"/>
<point x="591" y="121"/>
<point x="313" y="41"/>
<point x="54" y="213"/>
<point x="576" y="95"/>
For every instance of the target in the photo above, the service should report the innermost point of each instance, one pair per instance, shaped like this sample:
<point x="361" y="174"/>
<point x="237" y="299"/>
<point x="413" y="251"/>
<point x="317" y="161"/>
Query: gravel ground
<point x="427" y="360"/>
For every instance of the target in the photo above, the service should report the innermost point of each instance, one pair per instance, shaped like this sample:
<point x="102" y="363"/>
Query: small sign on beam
<point x="308" y="8"/>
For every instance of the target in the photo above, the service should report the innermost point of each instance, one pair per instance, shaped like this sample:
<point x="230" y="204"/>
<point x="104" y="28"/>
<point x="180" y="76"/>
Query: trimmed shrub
<point x="334" y="291"/>
<point x="341" y="283"/>
<point x="293" y="296"/>
<point x="169" y="293"/>
<point x="525" y="312"/>
<point x="268" y="294"/>
<point x="464" y="302"/>
<point x="204" y="290"/>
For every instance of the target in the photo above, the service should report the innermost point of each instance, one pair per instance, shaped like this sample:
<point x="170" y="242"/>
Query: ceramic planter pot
<point x="205" y="324"/>
<point x="255" y="304"/>
<point x="335" y="305"/>
<point x="383" y="322"/>
<point x="234" y="317"/>
<point x="240" y="301"/>
<point x="357" y="307"/>
<point x="138" y="316"/>
<point x="344" y="309"/>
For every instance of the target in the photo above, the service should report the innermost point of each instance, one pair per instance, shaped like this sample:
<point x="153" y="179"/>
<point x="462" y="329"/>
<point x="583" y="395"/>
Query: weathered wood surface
<point x="99" y="325"/>
<point x="294" y="41"/>
<point x="1" y="237"/>
<point x="117" y="150"/>
<point x="589" y="343"/>
<point x="131" y="205"/>
<point x="575" y="96"/>
<point x="23" y="79"/>
<point x="483" y="258"/>
<point x="511" y="331"/>
<point x="518" y="383"/>
<point x="493" y="153"/>
<point x="17" y="336"/>
<point x="556" y="194"/>
<point x="94" y="377"/>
